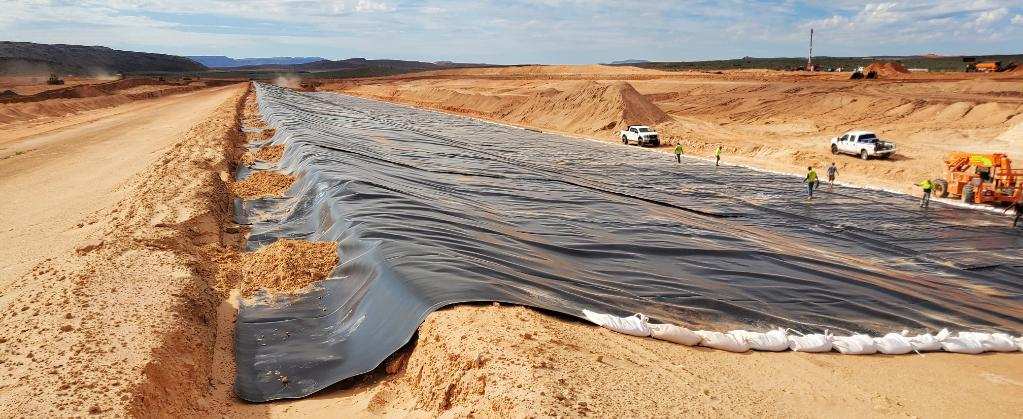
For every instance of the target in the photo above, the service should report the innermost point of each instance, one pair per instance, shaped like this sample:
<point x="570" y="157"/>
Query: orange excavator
<point x="980" y="179"/>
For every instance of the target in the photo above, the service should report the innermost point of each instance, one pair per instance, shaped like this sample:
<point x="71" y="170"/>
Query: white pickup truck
<point x="641" y="135"/>
<point x="864" y="144"/>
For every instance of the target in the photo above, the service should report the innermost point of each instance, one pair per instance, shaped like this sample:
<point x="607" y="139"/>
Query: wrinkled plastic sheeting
<point x="431" y="209"/>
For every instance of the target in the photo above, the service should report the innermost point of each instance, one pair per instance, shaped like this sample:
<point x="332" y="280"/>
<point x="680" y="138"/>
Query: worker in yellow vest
<point x="927" y="185"/>
<point x="678" y="152"/>
<point x="811" y="181"/>
<point x="717" y="155"/>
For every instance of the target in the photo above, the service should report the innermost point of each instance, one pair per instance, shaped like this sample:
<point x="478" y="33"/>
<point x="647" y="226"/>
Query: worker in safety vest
<point x="678" y="152"/>
<point x="810" y="181"/>
<point x="832" y="171"/>
<point x="717" y="155"/>
<point x="1018" y="208"/>
<point x="927" y="186"/>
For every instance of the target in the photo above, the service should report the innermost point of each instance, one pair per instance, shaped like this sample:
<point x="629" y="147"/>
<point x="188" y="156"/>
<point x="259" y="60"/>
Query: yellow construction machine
<point x="980" y="179"/>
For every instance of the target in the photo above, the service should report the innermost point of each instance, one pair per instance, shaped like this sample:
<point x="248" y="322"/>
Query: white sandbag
<point x="724" y="341"/>
<point x="893" y="344"/>
<point x="855" y="345"/>
<point x="773" y="340"/>
<point x="959" y="344"/>
<point x="814" y="342"/>
<point x="992" y="342"/>
<point x="923" y="343"/>
<point x="634" y="325"/>
<point x="672" y="333"/>
<point x="1004" y="343"/>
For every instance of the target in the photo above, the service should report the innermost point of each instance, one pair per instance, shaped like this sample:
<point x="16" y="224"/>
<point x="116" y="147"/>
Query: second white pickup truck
<point x="864" y="144"/>
<point x="641" y="135"/>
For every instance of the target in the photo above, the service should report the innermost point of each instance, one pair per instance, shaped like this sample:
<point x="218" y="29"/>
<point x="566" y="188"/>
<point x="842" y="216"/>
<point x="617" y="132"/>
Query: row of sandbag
<point x="780" y="340"/>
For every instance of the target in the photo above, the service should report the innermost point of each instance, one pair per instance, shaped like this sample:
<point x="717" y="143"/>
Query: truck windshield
<point x="643" y="129"/>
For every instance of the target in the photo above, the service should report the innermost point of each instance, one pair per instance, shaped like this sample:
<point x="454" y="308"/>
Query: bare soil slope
<point x="768" y="119"/>
<point x="84" y="95"/>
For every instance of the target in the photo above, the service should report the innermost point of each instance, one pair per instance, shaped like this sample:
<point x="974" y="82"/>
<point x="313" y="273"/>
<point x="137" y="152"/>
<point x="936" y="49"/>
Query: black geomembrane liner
<point x="431" y="209"/>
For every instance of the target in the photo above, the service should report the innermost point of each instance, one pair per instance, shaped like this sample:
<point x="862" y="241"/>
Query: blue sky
<point x="522" y="31"/>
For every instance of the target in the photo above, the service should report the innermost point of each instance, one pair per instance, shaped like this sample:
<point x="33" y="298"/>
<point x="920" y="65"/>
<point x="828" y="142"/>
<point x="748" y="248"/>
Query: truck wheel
<point x="968" y="194"/>
<point x="834" y="149"/>
<point x="940" y="188"/>
<point x="864" y="155"/>
<point x="625" y="140"/>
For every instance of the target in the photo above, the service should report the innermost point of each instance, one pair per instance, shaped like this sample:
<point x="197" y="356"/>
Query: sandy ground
<point x="122" y="298"/>
<point x="30" y="85"/>
<point x="48" y="103"/>
<point x="93" y="276"/>
<point x="55" y="181"/>
<point x="779" y="121"/>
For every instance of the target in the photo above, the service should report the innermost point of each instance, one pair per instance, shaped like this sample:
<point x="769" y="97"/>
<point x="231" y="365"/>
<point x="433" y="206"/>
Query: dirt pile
<point x="262" y="184"/>
<point x="594" y="108"/>
<point x="269" y="154"/>
<point x="94" y="90"/>
<point x="287" y="266"/>
<point x="260" y="136"/>
<point x="250" y="116"/>
<point x="547" y="72"/>
<point x="578" y="106"/>
<point x="886" y="69"/>
<point x="88" y="96"/>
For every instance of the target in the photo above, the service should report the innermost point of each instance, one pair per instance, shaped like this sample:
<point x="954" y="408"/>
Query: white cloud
<point x="510" y="31"/>
<point x="992" y="16"/>
<point x="372" y="6"/>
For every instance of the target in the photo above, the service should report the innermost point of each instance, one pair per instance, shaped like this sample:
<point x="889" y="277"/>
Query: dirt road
<point x="56" y="176"/>
<point x="104" y="212"/>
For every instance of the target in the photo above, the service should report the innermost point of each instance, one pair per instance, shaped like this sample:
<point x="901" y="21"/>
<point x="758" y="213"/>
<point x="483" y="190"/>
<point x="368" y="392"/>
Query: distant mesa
<point x="40" y="59"/>
<point x="363" y="66"/>
<point x="220" y="61"/>
<point x="629" y="61"/>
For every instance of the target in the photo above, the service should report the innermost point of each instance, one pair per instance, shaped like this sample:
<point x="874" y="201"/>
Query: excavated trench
<point x="430" y="210"/>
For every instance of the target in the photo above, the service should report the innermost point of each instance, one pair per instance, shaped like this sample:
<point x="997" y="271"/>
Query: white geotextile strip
<point x="780" y="339"/>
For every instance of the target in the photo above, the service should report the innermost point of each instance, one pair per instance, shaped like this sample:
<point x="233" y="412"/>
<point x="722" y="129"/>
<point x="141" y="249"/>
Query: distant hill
<point x="220" y="61"/>
<point x="392" y="66"/>
<point x="32" y="58"/>
<point x="931" y="62"/>
<point x="624" y="62"/>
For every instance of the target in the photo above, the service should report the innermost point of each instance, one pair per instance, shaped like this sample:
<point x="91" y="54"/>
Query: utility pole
<point x="809" y="55"/>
